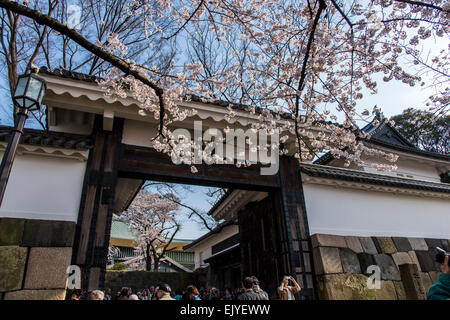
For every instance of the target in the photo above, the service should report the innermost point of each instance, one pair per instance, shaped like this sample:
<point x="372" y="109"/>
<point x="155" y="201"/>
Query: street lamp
<point x="28" y="95"/>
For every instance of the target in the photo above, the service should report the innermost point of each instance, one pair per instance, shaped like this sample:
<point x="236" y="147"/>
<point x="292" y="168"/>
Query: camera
<point x="440" y="256"/>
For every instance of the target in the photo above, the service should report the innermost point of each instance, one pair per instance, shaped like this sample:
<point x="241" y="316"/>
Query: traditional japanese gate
<point x="111" y="159"/>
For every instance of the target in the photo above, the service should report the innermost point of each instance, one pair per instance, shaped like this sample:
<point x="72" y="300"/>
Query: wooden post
<point x="97" y="201"/>
<point x="296" y="248"/>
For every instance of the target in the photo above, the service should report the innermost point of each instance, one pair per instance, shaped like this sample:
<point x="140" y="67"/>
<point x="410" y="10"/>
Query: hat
<point x="164" y="287"/>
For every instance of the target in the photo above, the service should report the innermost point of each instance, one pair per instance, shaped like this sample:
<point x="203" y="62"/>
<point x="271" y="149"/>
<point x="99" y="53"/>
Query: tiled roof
<point x="49" y="138"/>
<point x="322" y="171"/>
<point x="63" y="73"/>
<point x="120" y="230"/>
<point x="385" y="135"/>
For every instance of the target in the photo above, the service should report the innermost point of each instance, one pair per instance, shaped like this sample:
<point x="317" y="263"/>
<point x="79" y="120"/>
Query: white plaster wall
<point x="139" y="133"/>
<point x="204" y="247"/>
<point x="344" y="211"/>
<point x="44" y="187"/>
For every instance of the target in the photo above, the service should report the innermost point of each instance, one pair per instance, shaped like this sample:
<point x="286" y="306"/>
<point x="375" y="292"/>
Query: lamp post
<point x="28" y="96"/>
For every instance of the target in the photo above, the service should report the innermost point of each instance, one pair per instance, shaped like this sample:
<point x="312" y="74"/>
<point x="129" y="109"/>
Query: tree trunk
<point x="156" y="263"/>
<point x="148" y="260"/>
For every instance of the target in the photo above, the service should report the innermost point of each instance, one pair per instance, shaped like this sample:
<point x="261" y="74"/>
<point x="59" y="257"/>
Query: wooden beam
<point x="147" y="163"/>
<point x="95" y="217"/>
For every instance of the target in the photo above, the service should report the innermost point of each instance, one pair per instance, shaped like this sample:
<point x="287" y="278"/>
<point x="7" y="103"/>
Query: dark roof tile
<point x="50" y="138"/>
<point x="322" y="171"/>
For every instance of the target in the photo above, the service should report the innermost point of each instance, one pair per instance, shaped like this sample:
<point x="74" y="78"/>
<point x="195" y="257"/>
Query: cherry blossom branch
<point x="322" y="6"/>
<point x="420" y="3"/>
<point x="193" y="211"/>
<point x="342" y="13"/>
<point x="186" y="22"/>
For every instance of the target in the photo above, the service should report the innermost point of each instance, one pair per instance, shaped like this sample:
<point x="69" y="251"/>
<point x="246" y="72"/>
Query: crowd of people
<point x="250" y="290"/>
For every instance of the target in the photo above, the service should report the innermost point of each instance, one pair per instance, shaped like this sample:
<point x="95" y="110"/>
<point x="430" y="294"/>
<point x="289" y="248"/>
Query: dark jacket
<point x="251" y="295"/>
<point x="441" y="289"/>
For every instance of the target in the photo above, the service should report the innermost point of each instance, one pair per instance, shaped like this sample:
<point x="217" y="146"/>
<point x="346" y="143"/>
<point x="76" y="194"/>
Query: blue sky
<point x="192" y="196"/>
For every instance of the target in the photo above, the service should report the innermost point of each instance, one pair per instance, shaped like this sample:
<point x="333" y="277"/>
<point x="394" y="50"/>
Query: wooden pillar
<point x="294" y="238"/>
<point x="92" y="234"/>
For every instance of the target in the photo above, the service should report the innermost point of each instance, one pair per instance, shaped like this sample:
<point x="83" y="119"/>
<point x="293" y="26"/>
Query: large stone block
<point x="349" y="260"/>
<point x="328" y="240"/>
<point x="12" y="266"/>
<point x="386" y="245"/>
<point x="402" y="244"/>
<point x="11" y="231"/>
<point x="434" y="275"/>
<point x="344" y="287"/>
<point x="426" y="262"/>
<point x="387" y="291"/>
<point x="57" y="294"/>
<point x="47" y="268"/>
<point x="445" y="244"/>
<point x="401" y="258"/>
<point x="327" y="260"/>
<point x="426" y="281"/>
<point x="365" y="260"/>
<point x="354" y="244"/>
<point x="412" y="282"/>
<point x="433" y="243"/>
<point x="389" y="270"/>
<point x="43" y="233"/>
<point x="400" y="290"/>
<point x="414" y="259"/>
<point x="418" y="244"/>
<point x="368" y="245"/>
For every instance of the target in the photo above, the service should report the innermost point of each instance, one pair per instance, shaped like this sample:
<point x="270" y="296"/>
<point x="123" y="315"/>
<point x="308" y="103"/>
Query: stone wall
<point x="138" y="280"/>
<point x="34" y="256"/>
<point x="407" y="265"/>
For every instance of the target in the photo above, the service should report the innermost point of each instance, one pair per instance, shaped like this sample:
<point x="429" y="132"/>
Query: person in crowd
<point x="145" y="294"/>
<point x="76" y="294"/>
<point x="124" y="293"/>
<point x="287" y="292"/>
<point x="96" y="295"/>
<point x="133" y="297"/>
<point x="441" y="289"/>
<point x="193" y="289"/>
<point x="258" y="289"/>
<point x="163" y="292"/>
<point x="178" y="295"/>
<point x="237" y="292"/>
<point x="249" y="293"/>
<point x="152" y="295"/>
<point x="107" y="294"/>
<point x="188" y="296"/>
<point x="228" y="294"/>
<point x="215" y="294"/>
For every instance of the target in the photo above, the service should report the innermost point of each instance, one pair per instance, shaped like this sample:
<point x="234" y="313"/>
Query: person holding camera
<point x="287" y="292"/>
<point x="441" y="289"/>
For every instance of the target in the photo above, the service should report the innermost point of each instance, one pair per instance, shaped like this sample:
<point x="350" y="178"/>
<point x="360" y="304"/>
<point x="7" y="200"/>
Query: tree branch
<point x="94" y="49"/>
<point x="420" y="3"/>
